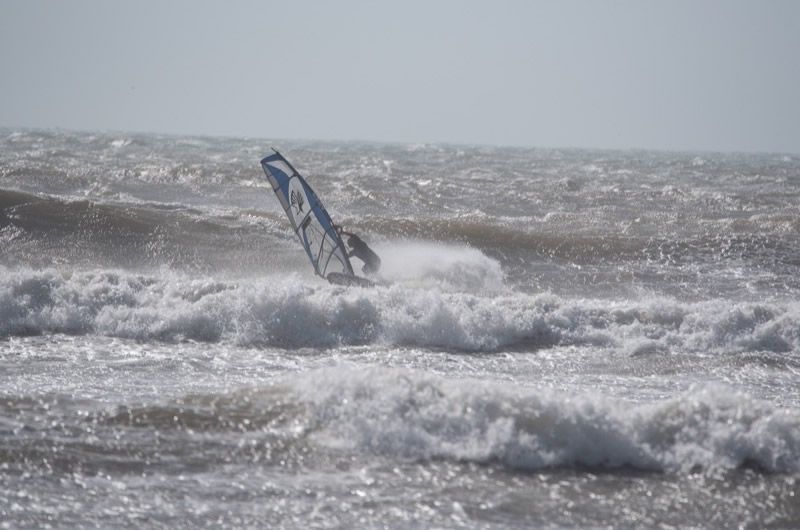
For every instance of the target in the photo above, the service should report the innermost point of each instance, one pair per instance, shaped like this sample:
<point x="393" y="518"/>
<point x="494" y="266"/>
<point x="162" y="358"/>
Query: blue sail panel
<point x="309" y="219"/>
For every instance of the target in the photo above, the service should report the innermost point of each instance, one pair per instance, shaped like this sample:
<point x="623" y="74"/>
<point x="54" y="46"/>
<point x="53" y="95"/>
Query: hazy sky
<point x="699" y="75"/>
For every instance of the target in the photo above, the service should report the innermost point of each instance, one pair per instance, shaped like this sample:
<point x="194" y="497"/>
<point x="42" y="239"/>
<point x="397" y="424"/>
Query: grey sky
<point x="701" y="75"/>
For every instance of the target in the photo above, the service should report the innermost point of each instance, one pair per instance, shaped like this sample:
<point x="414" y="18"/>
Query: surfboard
<point x="345" y="279"/>
<point x="311" y="222"/>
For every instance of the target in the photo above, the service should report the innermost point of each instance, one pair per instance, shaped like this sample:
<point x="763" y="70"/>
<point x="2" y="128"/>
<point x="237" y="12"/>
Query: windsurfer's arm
<point x="341" y="231"/>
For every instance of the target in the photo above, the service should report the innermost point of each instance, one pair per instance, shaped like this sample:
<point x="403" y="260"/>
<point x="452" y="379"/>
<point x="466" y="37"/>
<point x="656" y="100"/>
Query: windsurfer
<point x="361" y="250"/>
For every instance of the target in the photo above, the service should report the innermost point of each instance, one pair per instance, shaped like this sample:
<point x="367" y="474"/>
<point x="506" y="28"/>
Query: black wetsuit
<point x="360" y="250"/>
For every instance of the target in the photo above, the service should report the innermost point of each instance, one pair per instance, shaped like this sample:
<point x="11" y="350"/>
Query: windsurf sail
<point x="309" y="219"/>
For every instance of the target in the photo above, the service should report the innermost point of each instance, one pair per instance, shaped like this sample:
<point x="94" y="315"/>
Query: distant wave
<point x="296" y="312"/>
<point x="42" y="230"/>
<point x="535" y="239"/>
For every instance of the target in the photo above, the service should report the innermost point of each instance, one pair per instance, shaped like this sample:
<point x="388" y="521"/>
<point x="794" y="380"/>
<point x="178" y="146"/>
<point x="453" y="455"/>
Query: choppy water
<point x="564" y="338"/>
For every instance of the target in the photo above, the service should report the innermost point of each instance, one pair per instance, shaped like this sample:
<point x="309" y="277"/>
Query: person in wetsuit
<point x="361" y="250"/>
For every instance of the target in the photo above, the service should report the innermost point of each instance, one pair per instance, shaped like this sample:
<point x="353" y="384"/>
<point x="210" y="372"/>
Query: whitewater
<point x="559" y="337"/>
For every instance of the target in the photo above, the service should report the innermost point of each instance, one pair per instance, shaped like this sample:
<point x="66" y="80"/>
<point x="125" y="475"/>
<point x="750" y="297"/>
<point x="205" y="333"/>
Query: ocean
<point x="560" y="338"/>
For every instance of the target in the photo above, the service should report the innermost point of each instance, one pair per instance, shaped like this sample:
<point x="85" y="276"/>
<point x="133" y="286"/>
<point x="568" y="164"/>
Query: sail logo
<point x="296" y="200"/>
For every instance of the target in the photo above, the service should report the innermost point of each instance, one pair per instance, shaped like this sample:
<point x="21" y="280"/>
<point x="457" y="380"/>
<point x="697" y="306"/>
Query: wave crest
<point x="297" y="312"/>
<point x="407" y="414"/>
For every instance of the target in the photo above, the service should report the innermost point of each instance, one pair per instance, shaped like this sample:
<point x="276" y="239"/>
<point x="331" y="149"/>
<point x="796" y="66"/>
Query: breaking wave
<point x="406" y="414"/>
<point x="297" y="312"/>
<point x="411" y="415"/>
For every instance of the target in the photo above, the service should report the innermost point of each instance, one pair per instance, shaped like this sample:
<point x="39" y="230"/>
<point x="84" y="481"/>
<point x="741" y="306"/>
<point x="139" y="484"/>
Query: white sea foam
<point x="121" y="142"/>
<point x="402" y="413"/>
<point x="294" y="311"/>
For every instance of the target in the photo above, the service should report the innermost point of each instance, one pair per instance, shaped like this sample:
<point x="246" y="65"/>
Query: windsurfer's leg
<point x="371" y="267"/>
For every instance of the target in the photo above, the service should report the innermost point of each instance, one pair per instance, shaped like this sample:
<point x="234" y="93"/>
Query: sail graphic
<point x="309" y="219"/>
